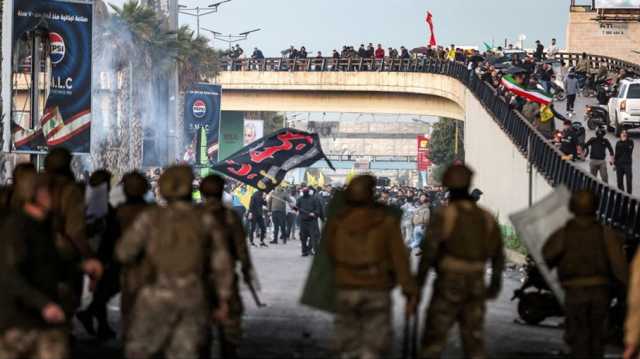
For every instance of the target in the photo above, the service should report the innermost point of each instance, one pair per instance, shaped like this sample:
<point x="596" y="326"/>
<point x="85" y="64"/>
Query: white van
<point x="624" y="109"/>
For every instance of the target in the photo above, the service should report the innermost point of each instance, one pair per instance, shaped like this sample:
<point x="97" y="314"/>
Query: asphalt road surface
<point x="285" y="329"/>
<point x="580" y="109"/>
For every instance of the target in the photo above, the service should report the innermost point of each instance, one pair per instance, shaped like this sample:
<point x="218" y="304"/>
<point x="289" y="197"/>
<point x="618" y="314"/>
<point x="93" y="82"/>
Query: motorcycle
<point x="538" y="304"/>
<point x="597" y="116"/>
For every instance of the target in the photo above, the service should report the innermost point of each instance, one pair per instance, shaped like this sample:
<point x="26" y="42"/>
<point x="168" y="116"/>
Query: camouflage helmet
<point x="212" y="186"/>
<point x="361" y="190"/>
<point x="583" y="203"/>
<point x="176" y="182"/>
<point x="134" y="185"/>
<point x="58" y="161"/>
<point x="457" y="177"/>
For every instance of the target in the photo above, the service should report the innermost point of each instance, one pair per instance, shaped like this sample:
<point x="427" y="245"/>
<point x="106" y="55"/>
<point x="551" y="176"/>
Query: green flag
<point x="488" y="47"/>
<point x="320" y="288"/>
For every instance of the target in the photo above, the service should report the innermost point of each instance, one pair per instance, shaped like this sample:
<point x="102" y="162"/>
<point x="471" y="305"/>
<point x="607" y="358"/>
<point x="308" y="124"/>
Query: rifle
<point x="254" y="294"/>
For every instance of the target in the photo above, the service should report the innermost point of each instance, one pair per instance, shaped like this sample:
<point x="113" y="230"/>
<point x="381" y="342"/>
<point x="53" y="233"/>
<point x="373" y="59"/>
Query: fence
<point x="616" y="208"/>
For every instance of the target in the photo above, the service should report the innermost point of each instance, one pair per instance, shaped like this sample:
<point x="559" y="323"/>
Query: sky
<point x="324" y="25"/>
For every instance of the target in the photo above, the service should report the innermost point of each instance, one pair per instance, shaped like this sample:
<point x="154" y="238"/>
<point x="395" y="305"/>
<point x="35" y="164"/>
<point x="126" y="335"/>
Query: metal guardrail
<point x="616" y="208"/>
<point x="372" y="158"/>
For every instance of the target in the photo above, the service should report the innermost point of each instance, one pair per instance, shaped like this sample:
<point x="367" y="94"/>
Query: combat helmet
<point x="361" y="190"/>
<point x="457" y="177"/>
<point x="176" y="182"/>
<point x="212" y="186"/>
<point x="583" y="203"/>
<point x="134" y="185"/>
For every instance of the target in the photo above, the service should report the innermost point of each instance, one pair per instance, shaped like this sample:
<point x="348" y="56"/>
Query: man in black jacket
<point x="623" y="161"/>
<point x="256" y="216"/>
<point x="33" y="274"/>
<point x="569" y="142"/>
<point x="310" y="210"/>
<point x="597" y="147"/>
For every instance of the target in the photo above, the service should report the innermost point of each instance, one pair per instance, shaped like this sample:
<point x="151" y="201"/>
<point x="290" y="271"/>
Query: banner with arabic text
<point x="263" y="164"/>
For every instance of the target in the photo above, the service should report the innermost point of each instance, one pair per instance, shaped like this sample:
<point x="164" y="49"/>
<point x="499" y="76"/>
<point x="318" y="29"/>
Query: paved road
<point x="285" y="329"/>
<point x="580" y="107"/>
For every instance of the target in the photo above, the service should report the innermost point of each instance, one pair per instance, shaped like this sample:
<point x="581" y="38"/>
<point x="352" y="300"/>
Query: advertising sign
<point x="423" y="153"/>
<point x="201" y="123"/>
<point x="617" y="4"/>
<point x="253" y="130"/>
<point x="66" y="119"/>
<point x="231" y="133"/>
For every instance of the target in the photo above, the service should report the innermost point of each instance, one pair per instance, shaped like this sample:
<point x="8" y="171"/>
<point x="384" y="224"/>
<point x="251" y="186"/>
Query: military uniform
<point x="33" y="275"/>
<point x="588" y="257"/>
<point x="365" y="242"/>
<point x="231" y="329"/>
<point x="460" y="239"/>
<point x="183" y="246"/>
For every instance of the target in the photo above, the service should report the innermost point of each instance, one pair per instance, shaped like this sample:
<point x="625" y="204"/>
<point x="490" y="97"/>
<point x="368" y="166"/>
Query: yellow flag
<point x="350" y="175"/>
<point x="311" y="181"/>
<point x="545" y="113"/>
<point x="321" y="180"/>
<point x="245" y="195"/>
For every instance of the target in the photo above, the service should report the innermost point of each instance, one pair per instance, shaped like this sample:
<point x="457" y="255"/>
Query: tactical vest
<point x="466" y="232"/>
<point x="181" y="245"/>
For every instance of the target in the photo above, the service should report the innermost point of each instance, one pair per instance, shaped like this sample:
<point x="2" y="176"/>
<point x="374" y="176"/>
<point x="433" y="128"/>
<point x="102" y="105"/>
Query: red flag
<point x="432" y="39"/>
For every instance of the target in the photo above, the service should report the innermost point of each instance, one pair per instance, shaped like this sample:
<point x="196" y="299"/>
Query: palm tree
<point x="197" y="61"/>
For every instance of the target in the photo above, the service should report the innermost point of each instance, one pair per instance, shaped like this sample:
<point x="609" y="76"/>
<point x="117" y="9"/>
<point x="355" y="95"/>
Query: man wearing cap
<point x="590" y="260"/>
<point x="460" y="239"/>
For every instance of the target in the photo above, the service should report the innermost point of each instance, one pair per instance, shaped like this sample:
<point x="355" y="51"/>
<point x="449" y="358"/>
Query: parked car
<point x="624" y="108"/>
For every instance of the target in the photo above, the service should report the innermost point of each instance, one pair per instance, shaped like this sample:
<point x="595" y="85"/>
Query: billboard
<point x="423" y="153"/>
<point x="231" y="133"/>
<point x="253" y="130"/>
<point x="617" y="4"/>
<point x="66" y="26"/>
<point x="201" y="123"/>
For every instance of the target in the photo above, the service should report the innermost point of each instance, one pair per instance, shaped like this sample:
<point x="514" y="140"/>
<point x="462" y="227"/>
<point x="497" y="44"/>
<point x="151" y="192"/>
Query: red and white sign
<point x="423" y="153"/>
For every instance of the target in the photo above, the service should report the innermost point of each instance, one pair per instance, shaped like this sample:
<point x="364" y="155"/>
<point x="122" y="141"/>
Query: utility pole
<point x="198" y="12"/>
<point x="230" y="38"/>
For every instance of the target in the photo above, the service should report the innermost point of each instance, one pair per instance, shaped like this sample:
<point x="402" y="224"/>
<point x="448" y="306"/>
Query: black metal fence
<point x="616" y="208"/>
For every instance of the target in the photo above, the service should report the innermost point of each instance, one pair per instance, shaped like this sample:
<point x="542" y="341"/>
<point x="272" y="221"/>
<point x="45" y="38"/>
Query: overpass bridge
<point x="515" y="165"/>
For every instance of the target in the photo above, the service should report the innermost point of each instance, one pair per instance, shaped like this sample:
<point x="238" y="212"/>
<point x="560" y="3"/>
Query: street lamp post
<point x="198" y="12"/>
<point x="230" y="38"/>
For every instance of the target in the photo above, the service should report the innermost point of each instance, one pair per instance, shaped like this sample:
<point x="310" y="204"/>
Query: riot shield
<point x="536" y="224"/>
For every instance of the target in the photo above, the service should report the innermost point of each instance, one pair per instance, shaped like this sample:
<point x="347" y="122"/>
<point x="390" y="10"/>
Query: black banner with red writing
<point x="263" y="164"/>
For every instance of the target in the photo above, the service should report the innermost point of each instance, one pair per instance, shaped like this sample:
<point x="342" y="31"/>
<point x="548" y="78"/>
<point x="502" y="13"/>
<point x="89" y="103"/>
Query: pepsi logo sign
<point x="58" y="47"/>
<point x="199" y="109"/>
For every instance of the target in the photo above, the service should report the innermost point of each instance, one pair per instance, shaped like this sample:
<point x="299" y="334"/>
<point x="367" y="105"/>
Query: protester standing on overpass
<point x="597" y="148"/>
<point x="623" y="161"/>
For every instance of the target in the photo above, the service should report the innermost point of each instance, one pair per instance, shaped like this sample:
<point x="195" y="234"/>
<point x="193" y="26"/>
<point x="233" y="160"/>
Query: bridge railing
<point x="615" y="208"/>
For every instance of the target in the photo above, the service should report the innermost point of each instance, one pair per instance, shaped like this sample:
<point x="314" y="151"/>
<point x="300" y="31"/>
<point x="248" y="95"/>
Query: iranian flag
<point x="531" y="94"/>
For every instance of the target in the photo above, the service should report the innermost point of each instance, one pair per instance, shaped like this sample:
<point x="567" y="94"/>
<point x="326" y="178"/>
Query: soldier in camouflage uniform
<point x="134" y="274"/>
<point x="69" y="227"/>
<point x="365" y="243"/>
<point x="185" y="249"/>
<point x="460" y="239"/>
<point x="212" y="188"/>
<point x="590" y="260"/>
<point x="33" y="323"/>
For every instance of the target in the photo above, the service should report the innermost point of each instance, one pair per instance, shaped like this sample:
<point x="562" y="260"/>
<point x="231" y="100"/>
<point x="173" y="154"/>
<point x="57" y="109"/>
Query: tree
<point x="197" y="61"/>
<point x="443" y="144"/>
